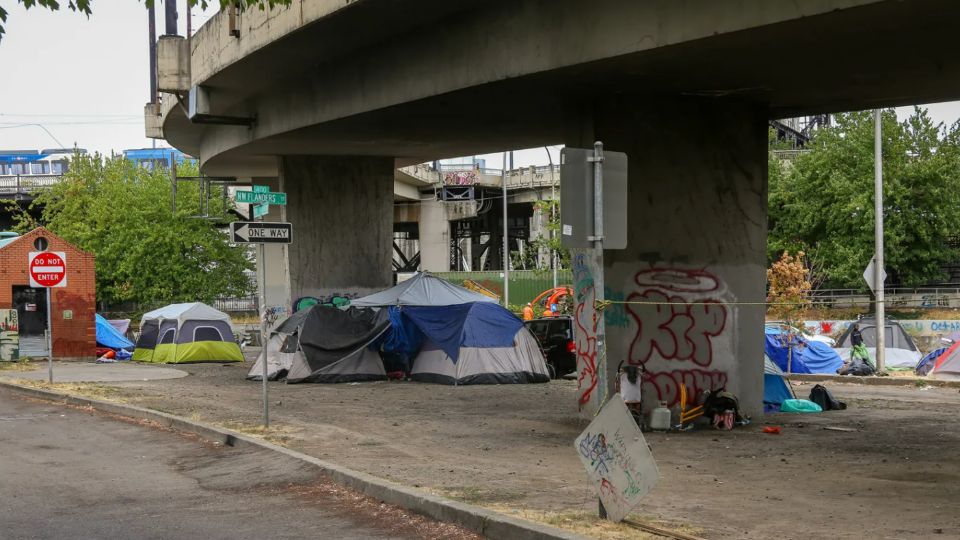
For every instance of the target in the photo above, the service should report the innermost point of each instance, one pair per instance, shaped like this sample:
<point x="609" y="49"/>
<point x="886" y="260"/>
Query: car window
<point x="559" y="328"/>
<point x="539" y="328"/>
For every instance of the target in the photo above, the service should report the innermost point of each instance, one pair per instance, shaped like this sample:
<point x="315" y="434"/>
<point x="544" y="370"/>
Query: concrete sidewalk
<point x="90" y="372"/>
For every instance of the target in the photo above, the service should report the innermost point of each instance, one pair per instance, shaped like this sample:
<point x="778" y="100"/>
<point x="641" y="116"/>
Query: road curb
<point x="874" y="381"/>
<point x="479" y="520"/>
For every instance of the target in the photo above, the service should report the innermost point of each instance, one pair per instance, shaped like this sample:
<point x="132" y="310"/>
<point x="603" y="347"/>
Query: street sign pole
<point x="878" y="240"/>
<point x="598" y="291"/>
<point x="263" y="332"/>
<point x="49" y="336"/>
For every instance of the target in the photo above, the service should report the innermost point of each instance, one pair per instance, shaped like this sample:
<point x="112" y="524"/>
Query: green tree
<point x="83" y="6"/>
<point x="144" y="254"/>
<point x="548" y="243"/>
<point x="823" y="200"/>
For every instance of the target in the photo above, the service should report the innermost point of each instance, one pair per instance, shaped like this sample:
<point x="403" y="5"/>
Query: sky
<point x="84" y="82"/>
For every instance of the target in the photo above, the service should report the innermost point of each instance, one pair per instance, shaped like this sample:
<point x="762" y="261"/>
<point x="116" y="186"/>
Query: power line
<point x="74" y="115"/>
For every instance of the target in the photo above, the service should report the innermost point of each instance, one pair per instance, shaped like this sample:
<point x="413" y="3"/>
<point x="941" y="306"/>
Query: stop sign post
<point x="48" y="269"/>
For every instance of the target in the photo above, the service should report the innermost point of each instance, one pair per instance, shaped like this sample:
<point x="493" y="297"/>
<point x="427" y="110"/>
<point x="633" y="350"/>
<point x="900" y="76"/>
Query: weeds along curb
<point x="486" y="522"/>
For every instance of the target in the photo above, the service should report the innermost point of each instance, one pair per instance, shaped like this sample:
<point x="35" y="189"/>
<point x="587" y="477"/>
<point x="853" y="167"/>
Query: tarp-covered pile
<point x="325" y="344"/>
<point x="109" y="337"/>
<point x="801" y="356"/>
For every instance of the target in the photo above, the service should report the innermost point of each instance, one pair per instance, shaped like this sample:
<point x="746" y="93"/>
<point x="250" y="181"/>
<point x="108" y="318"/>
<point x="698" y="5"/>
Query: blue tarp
<point x="811" y="357"/>
<point x="402" y="339"/>
<point x="480" y="324"/>
<point x="108" y="336"/>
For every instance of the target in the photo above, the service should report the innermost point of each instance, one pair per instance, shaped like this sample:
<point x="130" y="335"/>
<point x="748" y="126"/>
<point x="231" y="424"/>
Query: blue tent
<point x="776" y="387"/>
<point x="108" y="336"/>
<point x="807" y="357"/>
<point x="475" y="343"/>
<point x="926" y="365"/>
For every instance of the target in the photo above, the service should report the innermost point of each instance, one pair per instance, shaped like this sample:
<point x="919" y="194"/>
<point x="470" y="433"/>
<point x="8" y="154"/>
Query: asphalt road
<point x="67" y="473"/>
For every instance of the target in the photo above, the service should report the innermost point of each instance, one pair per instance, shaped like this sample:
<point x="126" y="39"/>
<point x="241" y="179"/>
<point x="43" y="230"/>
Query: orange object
<point x="527" y="313"/>
<point x="773" y="430"/>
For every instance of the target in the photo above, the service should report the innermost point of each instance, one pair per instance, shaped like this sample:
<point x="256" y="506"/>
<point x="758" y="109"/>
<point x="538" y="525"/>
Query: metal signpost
<point x="593" y="199"/>
<point x="259" y="232"/>
<point x="878" y="226"/>
<point x="48" y="269"/>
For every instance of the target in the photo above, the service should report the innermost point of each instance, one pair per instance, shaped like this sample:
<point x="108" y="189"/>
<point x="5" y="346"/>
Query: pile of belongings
<point x="859" y="363"/>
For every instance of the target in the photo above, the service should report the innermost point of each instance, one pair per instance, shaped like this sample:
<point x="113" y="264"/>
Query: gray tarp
<point x="422" y="289"/>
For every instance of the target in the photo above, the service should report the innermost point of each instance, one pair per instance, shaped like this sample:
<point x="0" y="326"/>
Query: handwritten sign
<point x="617" y="459"/>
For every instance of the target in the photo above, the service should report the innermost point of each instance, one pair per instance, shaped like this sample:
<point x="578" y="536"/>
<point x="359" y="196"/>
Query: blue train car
<point x="49" y="161"/>
<point x="150" y="158"/>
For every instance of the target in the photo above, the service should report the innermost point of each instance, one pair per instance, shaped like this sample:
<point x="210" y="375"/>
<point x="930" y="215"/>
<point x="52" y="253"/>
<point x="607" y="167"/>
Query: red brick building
<point x="72" y="308"/>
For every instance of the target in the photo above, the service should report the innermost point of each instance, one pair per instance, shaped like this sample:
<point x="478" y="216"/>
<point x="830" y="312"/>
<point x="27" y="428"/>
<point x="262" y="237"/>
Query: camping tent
<point x="806" y="356"/>
<point x="109" y="337"/>
<point x="478" y="343"/>
<point x="325" y="344"/>
<point x="182" y="333"/>
<point x="947" y="365"/>
<point x="422" y="289"/>
<point x="279" y="353"/>
<point x="901" y="351"/>
<point x="929" y="361"/>
<point x="467" y="337"/>
<point x="776" y="387"/>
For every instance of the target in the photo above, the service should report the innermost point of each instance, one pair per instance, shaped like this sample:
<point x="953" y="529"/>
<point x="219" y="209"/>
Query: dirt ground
<point x="511" y="448"/>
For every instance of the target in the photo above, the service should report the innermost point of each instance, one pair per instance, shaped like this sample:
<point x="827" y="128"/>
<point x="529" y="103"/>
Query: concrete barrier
<point x="479" y="520"/>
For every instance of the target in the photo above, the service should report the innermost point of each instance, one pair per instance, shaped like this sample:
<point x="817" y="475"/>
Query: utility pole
<point x="170" y="11"/>
<point x="506" y="238"/>
<point x="189" y="21"/>
<point x="878" y="224"/>
<point x="553" y="209"/>
<point x="152" y="18"/>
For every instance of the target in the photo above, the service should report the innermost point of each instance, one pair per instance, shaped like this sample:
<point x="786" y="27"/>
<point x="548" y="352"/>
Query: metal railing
<point x="941" y="296"/>
<point x="27" y="183"/>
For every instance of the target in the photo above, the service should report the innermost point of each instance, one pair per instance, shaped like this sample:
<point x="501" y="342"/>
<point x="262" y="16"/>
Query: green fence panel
<point x="525" y="285"/>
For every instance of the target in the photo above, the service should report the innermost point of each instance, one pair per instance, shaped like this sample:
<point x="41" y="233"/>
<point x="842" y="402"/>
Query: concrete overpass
<point x="343" y="93"/>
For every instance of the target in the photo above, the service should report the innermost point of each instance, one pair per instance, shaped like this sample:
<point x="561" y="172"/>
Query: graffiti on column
<point x="9" y="335"/>
<point x="585" y="317"/>
<point x="676" y="339"/>
<point x="335" y="300"/>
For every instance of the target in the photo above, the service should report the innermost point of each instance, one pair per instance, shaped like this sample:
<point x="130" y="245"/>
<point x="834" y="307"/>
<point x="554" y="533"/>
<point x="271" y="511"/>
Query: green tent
<point x="181" y="333"/>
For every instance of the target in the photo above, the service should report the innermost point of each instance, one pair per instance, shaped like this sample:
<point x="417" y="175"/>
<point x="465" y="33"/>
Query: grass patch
<point x="279" y="435"/>
<point x="474" y="495"/>
<point x="370" y="443"/>
<point x="87" y="390"/>
<point x="20" y="366"/>
<point x="588" y="523"/>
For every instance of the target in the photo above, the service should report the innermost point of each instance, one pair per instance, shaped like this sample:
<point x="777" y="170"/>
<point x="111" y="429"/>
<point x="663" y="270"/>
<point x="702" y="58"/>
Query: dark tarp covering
<point x="481" y="325"/>
<point x="328" y="335"/>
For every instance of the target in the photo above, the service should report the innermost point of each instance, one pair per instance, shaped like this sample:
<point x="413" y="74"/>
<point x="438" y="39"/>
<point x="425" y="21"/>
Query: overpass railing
<point x="26" y="184"/>
<point x="945" y="296"/>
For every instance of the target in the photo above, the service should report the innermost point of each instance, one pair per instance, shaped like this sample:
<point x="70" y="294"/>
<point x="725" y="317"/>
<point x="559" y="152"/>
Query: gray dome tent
<point x="901" y="351"/>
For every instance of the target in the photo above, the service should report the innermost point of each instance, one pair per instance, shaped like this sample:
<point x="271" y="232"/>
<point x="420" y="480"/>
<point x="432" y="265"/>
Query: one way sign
<point x="245" y="232"/>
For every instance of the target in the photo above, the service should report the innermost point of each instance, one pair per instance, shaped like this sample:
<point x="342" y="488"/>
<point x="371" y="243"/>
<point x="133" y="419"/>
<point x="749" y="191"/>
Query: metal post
<point x="189" y="21"/>
<point x="506" y="240"/>
<point x="49" y="337"/>
<point x="170" y="13"/>
<point x="553" y="209"/>
<point x="152" y="21"/>
<point x="878" y="224"/>
<point x="263" y="333"/>
<point x="598" y="292"/>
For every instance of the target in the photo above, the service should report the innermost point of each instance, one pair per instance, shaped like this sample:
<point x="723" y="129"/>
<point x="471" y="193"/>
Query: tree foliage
<point x="823" y="200"/>
<point x="789" y="294"/>
<point x="83" y="6"/>
<point x="538" y="251"/>
<point x="144" y="254"/>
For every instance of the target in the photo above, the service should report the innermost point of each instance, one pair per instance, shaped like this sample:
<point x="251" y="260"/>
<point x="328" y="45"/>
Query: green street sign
<point x="261" y="210"/>
<point x="261" y="189"/>
<point x="250" y="197"/>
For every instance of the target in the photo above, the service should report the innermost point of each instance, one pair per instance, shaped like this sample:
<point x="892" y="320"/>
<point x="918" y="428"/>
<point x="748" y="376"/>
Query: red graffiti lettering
<point x="666" y="385"/>
<point x="493" y="287"/>
<point x="826" y="327"/>
<point x="586" y="356"/>
<point x="677" y="332"/>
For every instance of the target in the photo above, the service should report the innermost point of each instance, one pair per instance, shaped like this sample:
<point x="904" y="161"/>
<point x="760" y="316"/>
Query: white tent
<point x="422" y="289"/>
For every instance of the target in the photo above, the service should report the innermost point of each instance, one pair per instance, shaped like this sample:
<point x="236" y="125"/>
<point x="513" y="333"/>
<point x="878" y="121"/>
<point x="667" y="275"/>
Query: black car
<point x="557" y="341"/>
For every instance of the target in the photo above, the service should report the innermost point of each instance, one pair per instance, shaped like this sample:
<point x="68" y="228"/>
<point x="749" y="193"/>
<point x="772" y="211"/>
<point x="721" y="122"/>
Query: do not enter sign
<point x="48" y="269"/>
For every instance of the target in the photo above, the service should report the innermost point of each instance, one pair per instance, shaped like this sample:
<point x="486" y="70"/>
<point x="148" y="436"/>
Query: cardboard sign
<point x="617" y="459"/>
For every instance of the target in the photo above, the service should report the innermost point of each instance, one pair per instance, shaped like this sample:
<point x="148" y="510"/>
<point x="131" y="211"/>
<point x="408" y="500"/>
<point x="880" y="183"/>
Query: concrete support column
<point x="697" y="233"/>
<point x="341" y="208"/>
<point x="434" y="237"/>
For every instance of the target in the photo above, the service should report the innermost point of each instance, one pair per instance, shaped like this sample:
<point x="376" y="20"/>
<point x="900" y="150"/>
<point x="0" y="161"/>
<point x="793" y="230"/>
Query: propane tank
<point x="660" y="417"/>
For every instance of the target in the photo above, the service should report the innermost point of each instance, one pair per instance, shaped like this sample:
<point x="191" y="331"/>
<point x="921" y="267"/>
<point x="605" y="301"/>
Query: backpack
<point x="822" y="397"/>
<point x="724" y="409"/>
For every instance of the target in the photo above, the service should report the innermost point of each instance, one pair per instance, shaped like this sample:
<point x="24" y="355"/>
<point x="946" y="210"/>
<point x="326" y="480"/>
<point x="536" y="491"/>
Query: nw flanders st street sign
<point x="246" y="232"/>
<point x="252" y="197"/>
